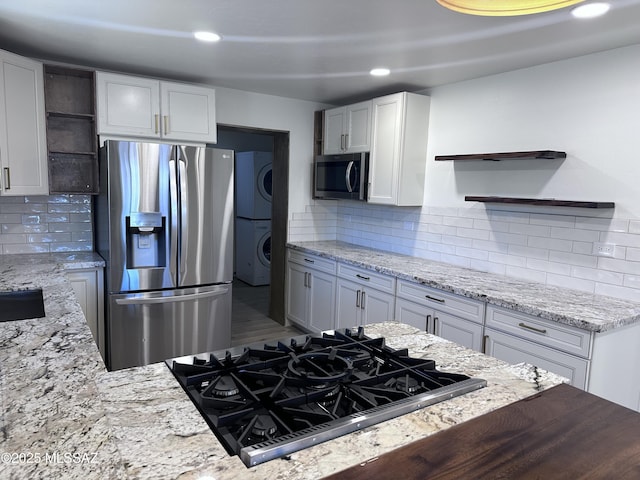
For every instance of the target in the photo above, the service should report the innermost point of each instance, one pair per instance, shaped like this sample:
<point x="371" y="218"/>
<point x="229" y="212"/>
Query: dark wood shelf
<point x="85" y="116"/>
<point x="541" y="201"/>
<point x="496" y="157"/>
<point x="72" y="143"/>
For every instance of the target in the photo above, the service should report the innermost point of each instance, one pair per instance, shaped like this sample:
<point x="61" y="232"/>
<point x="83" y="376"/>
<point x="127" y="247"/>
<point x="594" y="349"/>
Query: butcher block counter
<point x="560" y="433"/>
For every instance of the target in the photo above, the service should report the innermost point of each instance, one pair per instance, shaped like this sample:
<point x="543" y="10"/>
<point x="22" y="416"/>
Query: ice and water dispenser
<point x="146" y="240"/>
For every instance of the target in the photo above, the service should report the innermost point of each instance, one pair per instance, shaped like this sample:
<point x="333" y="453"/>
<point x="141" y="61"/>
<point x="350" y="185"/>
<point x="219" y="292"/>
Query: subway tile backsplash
<point x="555" y="249"/>
<point x="44" y="224"/>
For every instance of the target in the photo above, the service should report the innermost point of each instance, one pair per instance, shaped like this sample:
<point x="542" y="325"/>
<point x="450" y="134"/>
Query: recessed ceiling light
<point x="207" y="36"/>
<point x="380" y="72"/>
<point x="591" y="10"/>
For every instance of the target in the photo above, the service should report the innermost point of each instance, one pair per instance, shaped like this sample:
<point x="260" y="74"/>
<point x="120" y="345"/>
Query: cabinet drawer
<point x="562" y="337"/>
<point x="312" y="261"/>
<point x="379" y="281"/>
<point x="515" y="350"/>
<point x="445" y="302"/>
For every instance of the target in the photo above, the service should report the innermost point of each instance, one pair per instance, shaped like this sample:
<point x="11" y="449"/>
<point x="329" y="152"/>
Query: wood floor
<point x="250" y="322"/>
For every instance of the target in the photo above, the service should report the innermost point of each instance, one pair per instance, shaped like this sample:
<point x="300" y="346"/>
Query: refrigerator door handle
<point x="153" y="299"/>
<point x="184" y="217"/>
<point x="173" y="191"/>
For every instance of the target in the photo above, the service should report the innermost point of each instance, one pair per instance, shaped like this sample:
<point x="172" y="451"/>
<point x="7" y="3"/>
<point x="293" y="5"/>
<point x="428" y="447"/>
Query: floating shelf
<point x="541" y="201"/>
<point x="496" y="157"/>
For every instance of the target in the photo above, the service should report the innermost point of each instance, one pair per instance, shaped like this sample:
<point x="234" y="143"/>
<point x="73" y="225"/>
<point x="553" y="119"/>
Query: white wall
<point x="588" y="107"/>
<point x="248" y="109"/>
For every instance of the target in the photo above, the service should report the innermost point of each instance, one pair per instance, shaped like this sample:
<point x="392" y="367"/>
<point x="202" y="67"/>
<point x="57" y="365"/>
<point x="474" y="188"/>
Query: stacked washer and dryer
<point x="253" y="217"/>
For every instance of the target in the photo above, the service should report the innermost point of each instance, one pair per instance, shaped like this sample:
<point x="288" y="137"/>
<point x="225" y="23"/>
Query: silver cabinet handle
<point x="358" y="299"/>
<point x="439" y="300"/>
<point x="428" y="320"/>
<point x="362" y="300"/>
<point x="341" y="142"/>
<point x="7" y="178"/>
<point x="435" y="325"/>
<point x="363" y="277"/>
<point x="346" y="142"/>
<point x="157" y="120"/>
<point x="533" y="329"/>
<point x="166" y="124"/>
<point x="309" y="279"/>
<point x="304" y="283"/>
<point x="484" y="343"/>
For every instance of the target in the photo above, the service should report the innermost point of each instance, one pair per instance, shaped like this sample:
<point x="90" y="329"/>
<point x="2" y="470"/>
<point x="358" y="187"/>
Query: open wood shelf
<point x="495" y="157"/>
<point x="541" y="201"/>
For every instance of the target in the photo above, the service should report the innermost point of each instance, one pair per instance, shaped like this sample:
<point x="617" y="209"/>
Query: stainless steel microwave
<point x="342" y="176"/>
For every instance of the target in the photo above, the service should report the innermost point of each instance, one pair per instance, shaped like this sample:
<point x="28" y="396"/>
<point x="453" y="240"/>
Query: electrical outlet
<point x="603" y="249"/>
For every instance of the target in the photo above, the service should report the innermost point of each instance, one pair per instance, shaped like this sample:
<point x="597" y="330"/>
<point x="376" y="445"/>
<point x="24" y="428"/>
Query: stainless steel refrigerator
<point x="163" y="223"/>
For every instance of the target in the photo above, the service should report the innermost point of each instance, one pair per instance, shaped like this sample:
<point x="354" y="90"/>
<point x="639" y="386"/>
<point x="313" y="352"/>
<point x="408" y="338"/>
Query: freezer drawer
<point x="150" y="327"/>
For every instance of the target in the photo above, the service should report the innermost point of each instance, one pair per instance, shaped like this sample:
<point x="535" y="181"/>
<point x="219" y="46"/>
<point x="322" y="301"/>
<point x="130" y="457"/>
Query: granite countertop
<point x="587" y="311"/>
<point x="64" y="416"/>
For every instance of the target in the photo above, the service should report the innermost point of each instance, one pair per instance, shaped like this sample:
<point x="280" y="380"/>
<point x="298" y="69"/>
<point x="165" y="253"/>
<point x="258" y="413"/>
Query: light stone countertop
<point x="587" y="311"/>
<point x="62" y="415"/>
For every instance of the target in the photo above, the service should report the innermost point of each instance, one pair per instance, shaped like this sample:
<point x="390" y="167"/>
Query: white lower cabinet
<point x="88" y="285"/>
<point x="311" y="290"/>
<point x="516" y="337"/>
<point x="449" y="316"/>
<point x="363" y="297"/>
<point x="512" y="349"/>
<point x="357" y="304"/>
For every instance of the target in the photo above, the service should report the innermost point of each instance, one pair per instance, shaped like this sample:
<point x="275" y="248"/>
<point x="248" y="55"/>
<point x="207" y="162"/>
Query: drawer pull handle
<point x="309" y="260"/>
<point x="362" y="277"/>
<point x="534" y="329"/>
<point x="440" y="300"/>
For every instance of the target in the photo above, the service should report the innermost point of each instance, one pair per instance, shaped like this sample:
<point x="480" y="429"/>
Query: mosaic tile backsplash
<point x="43" y="224"/>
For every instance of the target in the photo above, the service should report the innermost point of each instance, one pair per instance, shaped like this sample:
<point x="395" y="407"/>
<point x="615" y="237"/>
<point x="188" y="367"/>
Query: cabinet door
<point x="414" y="314"/>
<point x="322" y="287"/>
<point x="348" y="311"/>
<point x="358" y="127"/>
<point x="385" y="149"/>
<point x="333" y="140"/>
<point x="188" y="113"/>
<point x="297" y="294"/>
<point x="516" y="350"/>
<point x="377" y="306"/>
<point x="458" y="330"/>
<point x="128" y="105"/>
<point x="23" y="154"/>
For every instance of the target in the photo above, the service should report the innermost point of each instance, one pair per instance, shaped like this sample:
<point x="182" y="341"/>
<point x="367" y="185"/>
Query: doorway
<point x="267" y="300"/>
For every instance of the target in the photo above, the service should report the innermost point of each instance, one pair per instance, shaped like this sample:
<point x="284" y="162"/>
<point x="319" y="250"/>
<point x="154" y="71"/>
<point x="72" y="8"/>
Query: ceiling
<point x="318" y="50"/>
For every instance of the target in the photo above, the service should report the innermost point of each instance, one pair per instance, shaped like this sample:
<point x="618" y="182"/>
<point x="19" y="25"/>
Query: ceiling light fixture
<point x="207" y="36"/>
<point x="505" y="8"/>
<point x="380" y="72"/>
<point x="590" y="10"/>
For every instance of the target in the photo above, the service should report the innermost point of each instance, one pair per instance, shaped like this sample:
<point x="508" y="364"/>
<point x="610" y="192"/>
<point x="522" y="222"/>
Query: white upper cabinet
<point x="143" y="107"/>
<point x="347" y="129"/>
<point x="397" y="164"/>
<point x="23" y="147"/>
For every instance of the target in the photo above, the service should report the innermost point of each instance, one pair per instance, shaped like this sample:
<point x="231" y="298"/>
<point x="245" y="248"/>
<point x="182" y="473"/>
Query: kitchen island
<point x="64" y="416"/>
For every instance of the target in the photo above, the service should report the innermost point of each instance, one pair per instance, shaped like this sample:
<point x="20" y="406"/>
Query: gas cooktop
<point x="265" y="401"/>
